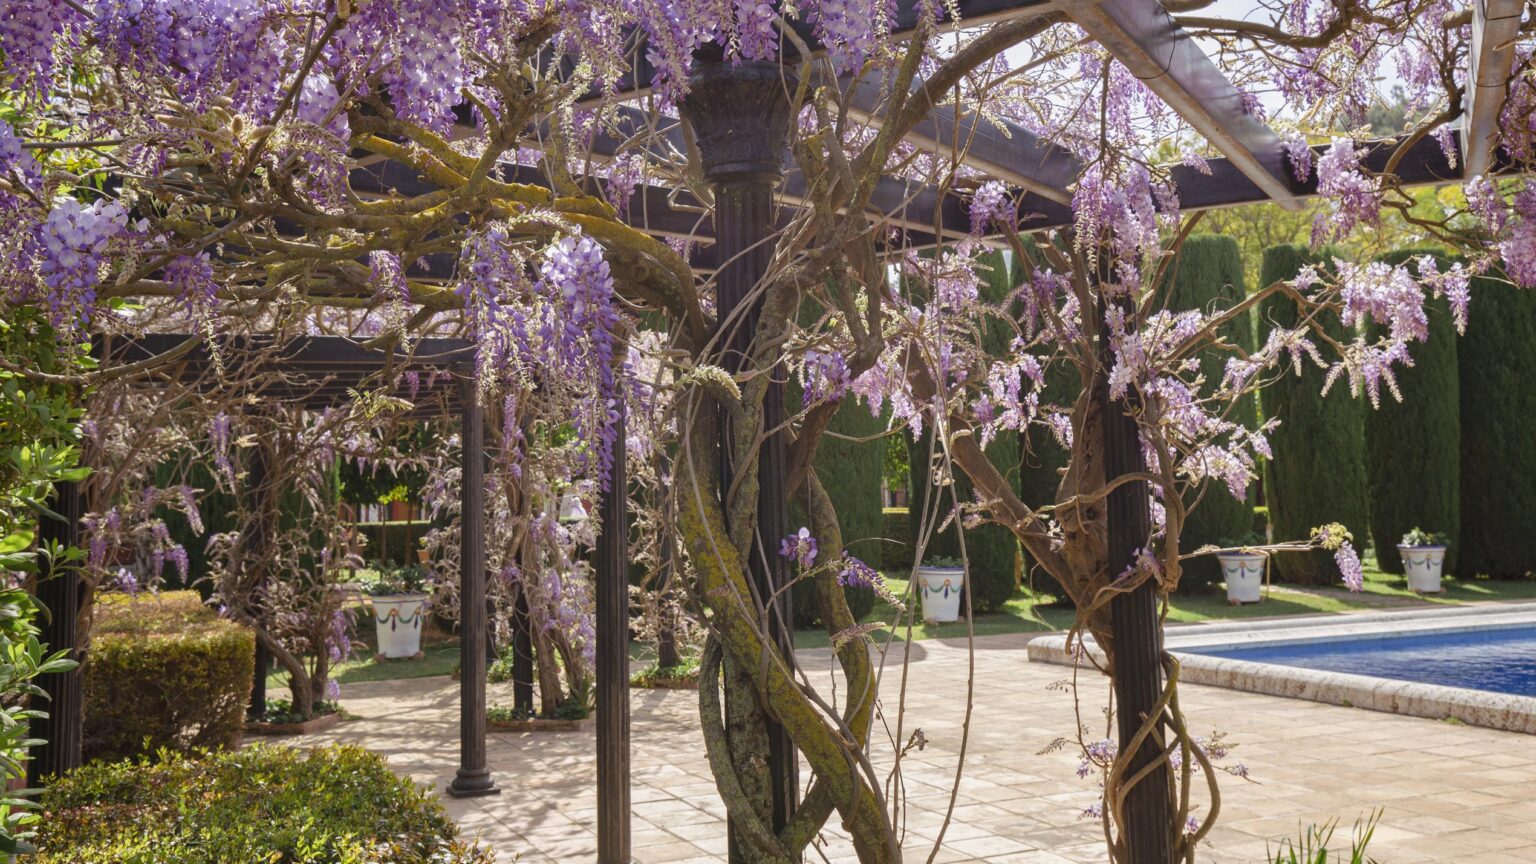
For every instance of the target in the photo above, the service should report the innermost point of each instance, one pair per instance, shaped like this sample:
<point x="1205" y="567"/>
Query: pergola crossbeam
<point x="1495" y="23"/>
<point x="1144" y="37"/>
<point x="999" y="149"/>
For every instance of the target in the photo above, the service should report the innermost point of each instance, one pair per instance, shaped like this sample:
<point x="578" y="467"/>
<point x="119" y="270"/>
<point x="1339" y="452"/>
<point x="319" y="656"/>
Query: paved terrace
<point x="1451" y="793"/>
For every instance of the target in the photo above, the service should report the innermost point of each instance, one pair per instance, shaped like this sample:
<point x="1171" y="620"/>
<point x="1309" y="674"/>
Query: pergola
<point x="740" y="121"/>
<point x="316" y="372"/>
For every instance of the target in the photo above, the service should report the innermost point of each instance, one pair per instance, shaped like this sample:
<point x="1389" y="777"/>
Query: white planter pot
<point x="1244" y="572"/>
<point x="397" y="619"/>
<point x="940" y="587"/>
<point x="1423" y="566"/>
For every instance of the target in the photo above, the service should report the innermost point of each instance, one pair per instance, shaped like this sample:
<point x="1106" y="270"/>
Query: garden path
<point x="1451" y="793"/>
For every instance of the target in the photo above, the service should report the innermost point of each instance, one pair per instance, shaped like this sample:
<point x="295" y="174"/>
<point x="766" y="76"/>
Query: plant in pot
<point x="939" y="581"/>
<point x="1423" y="559"/>
<point x="1242" y="566"/>
<point x="398" y="596"/>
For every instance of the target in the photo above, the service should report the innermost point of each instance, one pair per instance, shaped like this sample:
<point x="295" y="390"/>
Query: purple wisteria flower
<point x="1355" y="195"/>
<point x="800" y="546"/>
<point x="825" y="376"/>
<point x="856" y="574"/>
<point x="991" y="206"/>
<point x="1349" y="566"/>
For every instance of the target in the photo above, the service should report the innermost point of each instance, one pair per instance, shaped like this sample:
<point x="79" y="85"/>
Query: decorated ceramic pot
<point x="397" y="618"/>
<point x="1244" y="572"/>
<point x="940" y="587"/>
<point x="1423" y="566"/>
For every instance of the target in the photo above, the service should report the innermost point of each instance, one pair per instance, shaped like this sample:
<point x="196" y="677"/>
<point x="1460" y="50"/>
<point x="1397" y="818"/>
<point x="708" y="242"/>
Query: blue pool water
<point x="1501" y="660"/>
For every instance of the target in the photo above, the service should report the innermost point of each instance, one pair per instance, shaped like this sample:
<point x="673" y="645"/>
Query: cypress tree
<point x="849" y="469"/>
<point x="1498" y="449"/>
<point x="992" y="549"/>
<point x="1041" y="456"/>
<point x="1208" y="275"/>
<point x="849" y="462"/>
<point x="1317" y="475"/>
<point x="1413" y="447"/>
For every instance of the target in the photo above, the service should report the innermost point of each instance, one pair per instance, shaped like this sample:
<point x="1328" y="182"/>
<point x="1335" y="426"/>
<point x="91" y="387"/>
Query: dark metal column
<point x="58" y="591"/>
<point x="474" y="776"/>
<point x="613" y="663"/>
<point x="253" y="546"/>
<point x="740" y="115"/>
<point x="1138" y="635"/>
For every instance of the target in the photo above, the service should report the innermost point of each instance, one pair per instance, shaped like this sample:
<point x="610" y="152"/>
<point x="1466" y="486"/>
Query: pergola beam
<point x="1146" y="39"/>
<point x="635" y="83"/>
<point x="1495" y="24"/>
<point x="999" y="149"/>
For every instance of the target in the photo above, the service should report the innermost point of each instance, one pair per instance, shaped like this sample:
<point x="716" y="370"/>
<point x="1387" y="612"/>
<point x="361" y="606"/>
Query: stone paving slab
<point x="1450" y="793"/>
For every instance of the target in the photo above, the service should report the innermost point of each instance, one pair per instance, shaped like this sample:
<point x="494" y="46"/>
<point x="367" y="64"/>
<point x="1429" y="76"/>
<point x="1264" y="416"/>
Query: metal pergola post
<point x="1147" y="832"/>
<point x="474" y="775"/>
<point x="58" y="592"/>
<point x="612" y="626"/>
<point x="740" y="114"/>
<point x="251" y="546"/>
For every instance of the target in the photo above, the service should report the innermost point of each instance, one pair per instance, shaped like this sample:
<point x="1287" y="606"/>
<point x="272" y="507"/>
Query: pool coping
<point x="1504" y="711"/>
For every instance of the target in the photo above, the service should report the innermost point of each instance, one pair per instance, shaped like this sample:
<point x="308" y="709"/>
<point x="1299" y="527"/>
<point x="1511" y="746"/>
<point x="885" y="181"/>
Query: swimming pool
<point x="1500" y="660"/>
<point x="1473" y="664"/>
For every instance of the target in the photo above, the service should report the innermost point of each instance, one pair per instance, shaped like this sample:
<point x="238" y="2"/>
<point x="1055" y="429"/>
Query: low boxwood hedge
<point x="334" y="805"/>
<point x="164" y="671"/>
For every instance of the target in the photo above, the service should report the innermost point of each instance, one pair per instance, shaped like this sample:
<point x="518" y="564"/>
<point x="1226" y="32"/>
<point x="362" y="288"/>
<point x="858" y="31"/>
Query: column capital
<point x="740" y="114"/>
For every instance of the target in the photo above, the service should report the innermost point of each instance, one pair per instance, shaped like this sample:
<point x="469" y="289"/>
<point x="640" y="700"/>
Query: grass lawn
<point x="1023" y="614"/>
<point x="441" y="652"/>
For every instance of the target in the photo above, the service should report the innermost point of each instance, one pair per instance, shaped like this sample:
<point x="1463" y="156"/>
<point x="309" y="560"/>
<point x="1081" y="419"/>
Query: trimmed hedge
<point x="992" y="549"/>
<point x="896" y="550"/>
<point x="1498" y="448"/>
<point x="334" y="805"/>
<point x="1413" y="447"/>
<point x="1042" y="458"/>
<point x="850" y="472"/>
<point x="1208" y="275"/>
<point x="1318" y="473"/>
<point x="164" y="671"/>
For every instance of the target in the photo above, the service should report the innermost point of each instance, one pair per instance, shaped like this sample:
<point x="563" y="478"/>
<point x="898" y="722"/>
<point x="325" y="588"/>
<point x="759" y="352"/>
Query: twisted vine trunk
<point x="833" y="746"/>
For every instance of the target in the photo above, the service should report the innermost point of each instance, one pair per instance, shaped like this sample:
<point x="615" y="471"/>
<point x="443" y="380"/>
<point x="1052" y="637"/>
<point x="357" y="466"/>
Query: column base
<point x="473" y="784"/>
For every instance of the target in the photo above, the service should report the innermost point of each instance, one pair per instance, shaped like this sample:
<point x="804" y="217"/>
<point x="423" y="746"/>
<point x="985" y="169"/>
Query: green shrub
<point x="1318" y="473"/>
<point x="1498" y="449"/>
<point x="1208" y="275"/>
<point x="992" y="549"/>
<point x="896" y="550"/>
<point x="1413" y="447"/>
<point x="164" y="671"/>
<point x="334" y="805"/>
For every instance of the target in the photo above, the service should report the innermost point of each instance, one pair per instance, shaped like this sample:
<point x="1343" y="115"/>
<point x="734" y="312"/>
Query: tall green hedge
<point x="1413" y="447"/>
<point x="1318" y="473"/>
<point x="849" y="462"/>
<point x="850" y="472"/>
<point x="164" y="671"/>
<point x="1498" y="447"/>
<point x="993" y="550"/>
<point x="1208" y="275"/>
<point x="217" y="510"/>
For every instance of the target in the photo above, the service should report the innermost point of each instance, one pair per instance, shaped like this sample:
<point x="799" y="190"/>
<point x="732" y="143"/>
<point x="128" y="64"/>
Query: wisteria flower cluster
<point x="799" y="547"/>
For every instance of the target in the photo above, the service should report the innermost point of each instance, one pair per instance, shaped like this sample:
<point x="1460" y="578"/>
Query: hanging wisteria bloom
<point x="825" y="377"/>
<point x="800" y="546"/>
